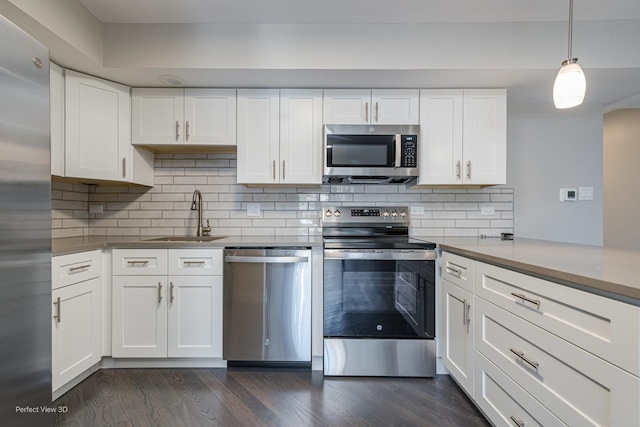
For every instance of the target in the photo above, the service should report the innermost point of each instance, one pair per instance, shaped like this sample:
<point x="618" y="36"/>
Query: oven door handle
<point x="382" y="255"/>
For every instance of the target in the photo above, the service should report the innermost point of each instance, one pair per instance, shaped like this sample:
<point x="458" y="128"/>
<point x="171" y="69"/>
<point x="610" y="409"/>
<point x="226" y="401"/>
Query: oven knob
<point x="327" y="213"/>
<point x="385" y="213"/>
<point x="336" y="213"/>
<point x="394" y="214"/>
<point x="403" y="214"/>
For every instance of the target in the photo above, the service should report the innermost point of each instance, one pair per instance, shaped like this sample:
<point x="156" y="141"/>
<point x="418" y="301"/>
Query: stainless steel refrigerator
<point x="25" y="230"/>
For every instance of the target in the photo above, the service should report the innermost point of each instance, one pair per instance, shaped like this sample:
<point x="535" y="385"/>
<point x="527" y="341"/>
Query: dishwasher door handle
<point x="267" y="259"/>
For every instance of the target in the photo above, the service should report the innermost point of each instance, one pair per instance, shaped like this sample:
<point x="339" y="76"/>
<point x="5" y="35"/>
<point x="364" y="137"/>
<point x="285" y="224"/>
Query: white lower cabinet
<point x="456" y="333"/>
<point x="161" y="315"/>
<point x="504" y="402"/>
<point x="545" y="354"/>
<point x="76" y="316"/>
<point x="76" y="341"/>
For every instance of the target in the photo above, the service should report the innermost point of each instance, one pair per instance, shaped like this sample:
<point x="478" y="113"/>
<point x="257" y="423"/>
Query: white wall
<point x="550" y="149"/>
<point x="621" y="191"/>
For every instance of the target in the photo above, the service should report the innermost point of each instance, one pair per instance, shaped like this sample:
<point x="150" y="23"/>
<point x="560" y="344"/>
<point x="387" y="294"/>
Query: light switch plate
<point x="568" y="194"/>
<point x="585" y="193"/>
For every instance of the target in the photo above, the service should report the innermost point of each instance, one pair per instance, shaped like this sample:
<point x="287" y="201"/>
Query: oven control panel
<point x="345" y="214"/>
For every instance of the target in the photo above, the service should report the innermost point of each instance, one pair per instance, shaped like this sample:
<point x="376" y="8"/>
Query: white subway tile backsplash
<point x="285" y="211"/>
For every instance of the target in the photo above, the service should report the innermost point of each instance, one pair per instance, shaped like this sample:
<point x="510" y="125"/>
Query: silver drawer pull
<point x="134" y="263"/>
<point x="523" y="297"/>
<point x="456" y="272"/>
<point x="193" y="262"/>
<point x="517" y="422"/>
<point x="525" y="359"/>
<point x="57" y="315"/>
<point x="80" y="267"/>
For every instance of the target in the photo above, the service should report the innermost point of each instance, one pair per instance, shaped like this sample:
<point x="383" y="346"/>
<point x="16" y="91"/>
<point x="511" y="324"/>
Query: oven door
<point x="379" y="293"/>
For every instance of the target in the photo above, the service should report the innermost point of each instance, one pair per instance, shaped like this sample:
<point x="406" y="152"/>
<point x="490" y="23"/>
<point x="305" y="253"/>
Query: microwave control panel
<point x="408" y="151"/>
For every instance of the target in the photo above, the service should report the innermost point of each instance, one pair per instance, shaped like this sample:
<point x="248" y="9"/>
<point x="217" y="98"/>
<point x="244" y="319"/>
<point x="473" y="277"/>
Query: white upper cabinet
<point x="377" y="106"/>
<point x="280" y="136"/>
<point x="183" y="116"/>
<point x="463" y="137"/>
<point x="97" y="117"/>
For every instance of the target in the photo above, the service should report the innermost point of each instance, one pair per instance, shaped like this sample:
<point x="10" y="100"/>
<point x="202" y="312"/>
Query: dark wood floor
<point x="262" y="397"/>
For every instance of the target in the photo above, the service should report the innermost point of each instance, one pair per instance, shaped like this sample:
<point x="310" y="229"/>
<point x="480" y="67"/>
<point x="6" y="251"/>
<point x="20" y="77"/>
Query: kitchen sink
<point x="185" y="239"/>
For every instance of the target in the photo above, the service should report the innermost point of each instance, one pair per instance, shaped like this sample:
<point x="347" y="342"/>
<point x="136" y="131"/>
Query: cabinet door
<point x="210" y="116"/>
<point x="440" y="150"/>
<point x="456" y="334"/>
<point x="97" y="128"/>
<point x="157" y="116"/>
<point x="347" y="106"/>
<point x="195" y="316"/>
<point x="139" y="318"/>
<point x="258" y="136"/>
<point x="485" y="136"/>
<point x="56" y="88"/>
<point x="301" y="136"/>
<point x="395" y="106"/>
<point x="76" y="340"/>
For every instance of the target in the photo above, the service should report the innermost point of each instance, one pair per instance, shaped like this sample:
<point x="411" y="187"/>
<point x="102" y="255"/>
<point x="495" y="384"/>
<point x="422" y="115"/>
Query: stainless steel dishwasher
<point x="267" y="306"/>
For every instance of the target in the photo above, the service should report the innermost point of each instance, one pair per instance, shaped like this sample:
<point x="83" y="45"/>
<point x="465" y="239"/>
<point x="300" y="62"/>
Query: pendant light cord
<point x="570" y="29"/>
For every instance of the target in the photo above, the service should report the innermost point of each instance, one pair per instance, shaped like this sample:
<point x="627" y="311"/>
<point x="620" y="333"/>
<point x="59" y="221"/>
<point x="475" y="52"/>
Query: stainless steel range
<point x="379" y="294"/>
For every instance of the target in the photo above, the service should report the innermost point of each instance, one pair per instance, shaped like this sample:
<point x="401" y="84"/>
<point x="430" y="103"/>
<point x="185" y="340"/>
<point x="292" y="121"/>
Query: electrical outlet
<point x="96" y="209"/>
<point x="487" y="210"/>
<point x="253" y="209"/>
<point x="417" y="210"/>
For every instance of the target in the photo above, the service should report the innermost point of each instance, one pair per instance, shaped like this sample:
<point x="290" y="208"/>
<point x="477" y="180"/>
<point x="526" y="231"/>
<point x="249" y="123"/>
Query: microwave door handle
<point x="398" y="162"/>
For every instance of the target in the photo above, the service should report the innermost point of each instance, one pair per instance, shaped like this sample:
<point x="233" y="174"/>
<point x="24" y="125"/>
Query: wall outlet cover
<point x="253" y="209"/>
<point x="487" y="210"/>
<point x="417" y="210"/>
<point x="96" y="209"/>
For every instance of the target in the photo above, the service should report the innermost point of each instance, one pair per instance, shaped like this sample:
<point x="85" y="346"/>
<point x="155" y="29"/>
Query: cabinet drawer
<point x="75" y="268"/>
<point x="457" y="269"/>
<point x="505" y="402"/>
<point x="195" y="262"/>
<point x="139" y="262"/>
<point x="607" y="328"/>
<point x="576" y="386"/>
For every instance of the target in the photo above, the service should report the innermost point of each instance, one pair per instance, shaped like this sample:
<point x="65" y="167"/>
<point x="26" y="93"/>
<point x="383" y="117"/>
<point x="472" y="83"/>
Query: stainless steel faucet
<point x="202" y="230"/>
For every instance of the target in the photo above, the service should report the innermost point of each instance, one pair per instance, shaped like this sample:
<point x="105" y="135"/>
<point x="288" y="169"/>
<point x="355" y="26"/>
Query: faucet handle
<point x="206" y="230"/>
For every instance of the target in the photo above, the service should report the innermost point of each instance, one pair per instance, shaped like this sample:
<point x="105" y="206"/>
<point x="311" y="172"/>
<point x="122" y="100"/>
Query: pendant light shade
<point x="570" y="85"/>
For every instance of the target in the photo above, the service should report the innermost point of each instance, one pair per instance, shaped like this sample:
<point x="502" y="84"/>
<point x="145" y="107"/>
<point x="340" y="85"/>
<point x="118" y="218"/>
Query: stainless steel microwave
<point x="385" y="154"/>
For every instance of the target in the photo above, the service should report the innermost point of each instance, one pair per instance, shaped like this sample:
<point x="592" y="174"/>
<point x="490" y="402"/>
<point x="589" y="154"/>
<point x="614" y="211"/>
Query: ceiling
<point x="526" y="66"/>
<point x="356" y="11"/>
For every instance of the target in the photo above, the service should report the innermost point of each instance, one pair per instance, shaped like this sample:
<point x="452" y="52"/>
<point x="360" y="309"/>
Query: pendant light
<point x="570" y="85"/>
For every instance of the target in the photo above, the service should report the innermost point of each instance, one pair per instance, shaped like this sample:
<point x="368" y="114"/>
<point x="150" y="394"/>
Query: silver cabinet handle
<point x="177" y="130"/>
<point x="525" y="359"/>
<point x="159" y="292"/>
<point x="366" y="112"/>
<point x="57" y="315"/>
<point x="273" y="168"/>
<point x="458" y="170"/>
<point x="283" y="166"/>
<point x="133" y="263"/>
<point x="469" y="169"/>
<point x="454" y="271"/>
<point x="267" y="259"/>
<point x="80" y="267"/>
<point x="124" y="167"/>
<point x="517" y="422"/>
<point x="193" y="262"/>
<point x="377" y="112"/>
<point x="187" y="130"/>
<point x="465" y="313"/>
<point x="527" y="299"/>
<point x="171" y="297"/>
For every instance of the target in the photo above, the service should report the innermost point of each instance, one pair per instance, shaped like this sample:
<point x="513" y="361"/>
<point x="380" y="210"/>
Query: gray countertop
<point x="78" y="244"/>
<point x="611" y="272"/>
<point x="607" y="271"/>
